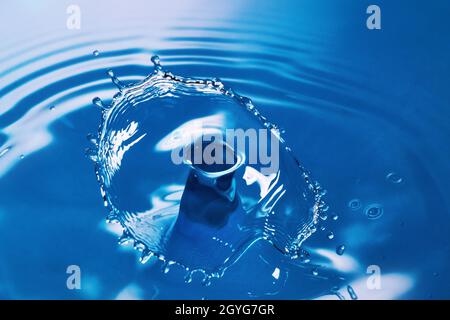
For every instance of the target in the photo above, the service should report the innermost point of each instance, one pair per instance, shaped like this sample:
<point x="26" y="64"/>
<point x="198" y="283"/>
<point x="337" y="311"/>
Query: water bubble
<point x="394" y="178"/>
<point x="95" y="53"/>
<point x="354" y="204"/>
<point x="340" y="249"/>
<point x="315" y="272"/>
<point x="330" y="235"/>
<point x="374" y="211"/>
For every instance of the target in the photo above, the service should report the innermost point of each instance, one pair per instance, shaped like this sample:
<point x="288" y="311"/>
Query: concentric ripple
<point x="357" y="107"/>
<point x="52" y="77"/>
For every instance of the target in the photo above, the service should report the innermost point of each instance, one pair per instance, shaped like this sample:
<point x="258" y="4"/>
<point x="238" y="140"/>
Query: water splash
<point x="202" y="217"/>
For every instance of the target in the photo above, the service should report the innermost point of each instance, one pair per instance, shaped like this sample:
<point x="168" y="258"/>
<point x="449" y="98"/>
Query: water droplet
<point x="374" y="211"/>
<point x="115" y="80"/>
<point x="315" y="272"/>
<point x="330" y="235"/>
<point x="340" y="249"/>
<point x="276" y="273"/>
<point x="91" y="138"/>
<point x="304" y="256"/>
<point x="323" y="215"/>
<point x="394" y="178"/>
<point x="99" y="103"/>
<point x="334" y="217"/>
<point x="206" y="281"/>
<point x="155" y="60"/>
<point x="188" y="277"/>
<point x="91" y="153"/>
<point x="22" y="156"/>
<point x="146" y="255"/>
<point x="354" y="204"/>
<point x="95" y="53"/>
<point x="52" y="108"/>
<point x="352" y="293"/>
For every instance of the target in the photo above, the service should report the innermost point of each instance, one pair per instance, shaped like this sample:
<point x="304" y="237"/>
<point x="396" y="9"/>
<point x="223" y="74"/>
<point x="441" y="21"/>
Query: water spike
<point x="99" y="103"/>
<point x="156" y="62"/>
<point x="115" y="80"/>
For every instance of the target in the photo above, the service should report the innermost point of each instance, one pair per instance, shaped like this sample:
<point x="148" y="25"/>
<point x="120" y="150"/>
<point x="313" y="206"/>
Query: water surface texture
<point x="364" y="111"/>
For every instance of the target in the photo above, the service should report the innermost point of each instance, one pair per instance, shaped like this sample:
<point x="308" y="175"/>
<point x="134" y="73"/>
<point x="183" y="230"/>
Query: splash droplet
<point x="340" y="250"/>
<point x="95" y="53"/>
<point x="330" y="235"/>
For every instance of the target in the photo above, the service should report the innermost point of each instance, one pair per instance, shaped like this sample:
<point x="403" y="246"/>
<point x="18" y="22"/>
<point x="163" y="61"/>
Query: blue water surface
<point x="366" y="111"/>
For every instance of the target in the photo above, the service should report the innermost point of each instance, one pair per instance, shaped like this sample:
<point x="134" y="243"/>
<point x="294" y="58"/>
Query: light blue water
<point x="366" y="112"/>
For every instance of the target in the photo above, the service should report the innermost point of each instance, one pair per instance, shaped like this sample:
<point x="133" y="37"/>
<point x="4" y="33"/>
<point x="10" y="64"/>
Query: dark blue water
<point x="366" y="112"/>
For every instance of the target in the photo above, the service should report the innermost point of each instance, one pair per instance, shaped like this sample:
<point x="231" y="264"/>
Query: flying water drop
<point x="340" y="250"/>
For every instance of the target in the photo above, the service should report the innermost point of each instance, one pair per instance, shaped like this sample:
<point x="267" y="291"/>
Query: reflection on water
<point x="365" y="112"/>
